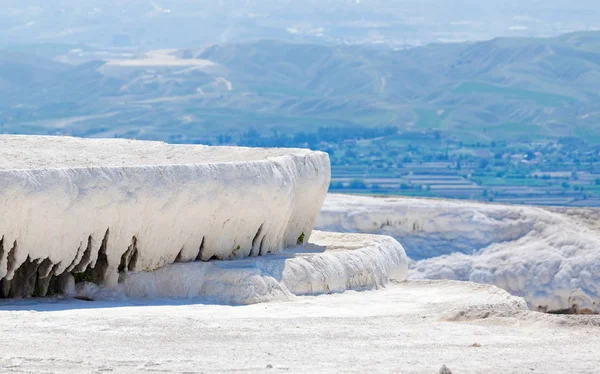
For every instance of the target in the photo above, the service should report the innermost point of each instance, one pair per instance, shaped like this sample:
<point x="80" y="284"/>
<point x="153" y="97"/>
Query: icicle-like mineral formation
<point x="91" y="208"/>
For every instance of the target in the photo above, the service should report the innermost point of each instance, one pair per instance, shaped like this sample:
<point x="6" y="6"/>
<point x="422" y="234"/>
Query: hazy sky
<point x="177" y="23"/>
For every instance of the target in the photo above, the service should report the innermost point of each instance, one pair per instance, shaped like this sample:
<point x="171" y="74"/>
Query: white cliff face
<point x="551" y="257"/>
<point x="106" y="205"/>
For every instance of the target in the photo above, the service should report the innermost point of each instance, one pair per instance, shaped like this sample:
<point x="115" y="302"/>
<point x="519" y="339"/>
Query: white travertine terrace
<point x="101" y="206"/>
<point x="548" y="256"/>
<point x="330" y="263"/>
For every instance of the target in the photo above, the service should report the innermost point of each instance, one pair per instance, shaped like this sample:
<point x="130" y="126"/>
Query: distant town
<point x="427" y="163"/>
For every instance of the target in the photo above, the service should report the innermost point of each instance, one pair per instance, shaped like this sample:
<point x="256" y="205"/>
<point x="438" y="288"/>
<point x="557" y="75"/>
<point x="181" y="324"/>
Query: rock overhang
<point x="100" y="206"/>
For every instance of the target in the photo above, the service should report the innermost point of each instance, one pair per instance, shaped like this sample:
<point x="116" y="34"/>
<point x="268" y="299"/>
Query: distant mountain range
<point x="503" y="89"/>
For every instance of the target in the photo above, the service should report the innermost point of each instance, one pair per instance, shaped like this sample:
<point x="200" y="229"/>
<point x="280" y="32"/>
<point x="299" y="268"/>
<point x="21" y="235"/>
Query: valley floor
<point x="414" y="326"/>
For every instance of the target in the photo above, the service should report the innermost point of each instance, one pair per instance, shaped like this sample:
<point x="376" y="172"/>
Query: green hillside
<point x="545" y="88"/>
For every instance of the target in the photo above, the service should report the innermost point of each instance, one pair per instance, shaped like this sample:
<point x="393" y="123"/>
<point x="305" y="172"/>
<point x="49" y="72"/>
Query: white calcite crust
<point x="70" y="204"/>
<point x="549" y="256"/>
<point x="330" y="263"/>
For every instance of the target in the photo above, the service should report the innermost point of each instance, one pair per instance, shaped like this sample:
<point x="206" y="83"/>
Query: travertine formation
<point x="92" y="208"/>
<point x="330" y="263"/>
<point x="549" y="256"/>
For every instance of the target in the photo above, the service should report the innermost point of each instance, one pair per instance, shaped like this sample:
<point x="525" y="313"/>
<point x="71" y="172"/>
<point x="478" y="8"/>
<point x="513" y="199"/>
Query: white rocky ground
<point x="69" y="204"/>
<point x="413" y="327"/>
<point x="551" y="257"/>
